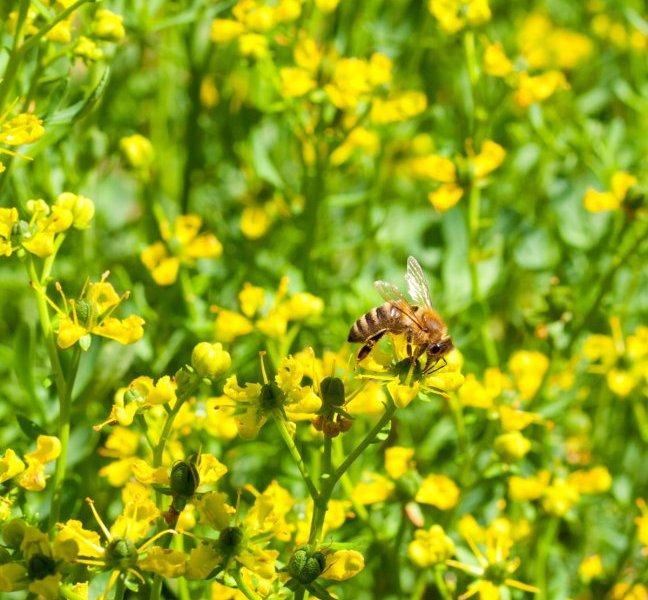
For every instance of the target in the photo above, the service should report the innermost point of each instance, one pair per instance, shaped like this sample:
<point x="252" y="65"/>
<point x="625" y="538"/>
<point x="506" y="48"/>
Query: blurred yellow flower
<point x="430" y="547"/>
<point x="48" y="449"/>
<point x="591" y="567"/>
<point x="621" y="182"/>
<point x="343" y="564"/>
<point x="536" y="88"/>
<point x="528" y="369"/>
<point x="496" y="63"/>
<point x="182" y="246"/>
<point x="438" y="491"/>
<point x="137" y="150"/>
<point x="10" y="465"/>
<point x="108" y="26"/>
<point x="454" y="15"/>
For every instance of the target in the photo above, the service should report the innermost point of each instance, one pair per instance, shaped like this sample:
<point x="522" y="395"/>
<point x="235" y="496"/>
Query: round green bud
<point x="184" y="479"/>
<point x="40" y="566"/>
<point x="332" y="390"/>
<point x="306" y="564"/>
<point x="272" y="398"/>
<point x="210" y="360"/>
<point x="13" y="533"/>
<point x="229" y="540"/>
<point x="121" y="554"/>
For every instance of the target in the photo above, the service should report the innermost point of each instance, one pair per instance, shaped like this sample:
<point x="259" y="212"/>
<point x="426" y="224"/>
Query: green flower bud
<point x="40" y="566"/>
<point x="306" y="564"/>
<point x="230" y="540"/>
<point x="13" y="533"/>
<point x="272" y="398"/>
<point x="184" y="479"/>
<point x="210" y="360"/>
<point x="121" y="554"/>
<point x="332" y="390"/>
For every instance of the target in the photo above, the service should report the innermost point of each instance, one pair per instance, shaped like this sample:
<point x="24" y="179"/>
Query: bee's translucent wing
<point x="417" y="285"/>
<point x="389" y="292"/>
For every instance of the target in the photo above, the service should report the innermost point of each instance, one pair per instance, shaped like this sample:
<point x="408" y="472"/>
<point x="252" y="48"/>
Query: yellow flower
<point x="496" y="63"/>
<point x="430" y="547"/>
<point x="533" y="89"/>
<point x="137" y="150"/>
<point x="23" y="129"/>
<point x="591" y="567"/>
<point x="81" y="208"/>
<point x="326" y="6"/>
<point x="359" y="138"/>
<point x="544" y="45"/>
<point x="10" y="465"/>
<point x="559" y="497"/>
<point x="528" y="488"/>
<point x="490" y="157"/>
<point x="621" y="182"/>
<point x="512" y="446"/>
<point x="343" y="565"/>
<point x="528" y="370"/>
<point x="48" y="449"/>
<point x="296" y="82"/>
<point x="225" y="30"/>
<point x="251" y="298"/>
<point x="91" y="314"/>
<point x="439" y="491"/>
<point x="642" y="522"/>
<point x="184" y="246"/>
<point x="121" y="445"/>
<point x="253" y="45"/>
<point x="592" y="481"/>
<point x="229" y="325"/>
<point x="210" y="360"/>
<point x="350" y="82"/>
<point x="108" y="26"/>
<point x="373" y="488"/>
<point x="454" y="15"/>
<point x="87" y="49"/>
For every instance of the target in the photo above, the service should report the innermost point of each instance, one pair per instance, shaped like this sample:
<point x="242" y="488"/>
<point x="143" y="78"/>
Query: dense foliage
<point x="195" y="201"/>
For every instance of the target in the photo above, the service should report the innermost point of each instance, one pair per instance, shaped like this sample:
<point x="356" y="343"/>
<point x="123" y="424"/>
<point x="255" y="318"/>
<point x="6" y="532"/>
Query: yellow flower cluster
<point x="271" y="320"/>
<point x="182" y="245"/>
<point x="32" y="477"/>
<point x="620" y="183"/>
<point x="455" y="176"/>
<point x="454" y="15"/>
<point x="623" y="361"/>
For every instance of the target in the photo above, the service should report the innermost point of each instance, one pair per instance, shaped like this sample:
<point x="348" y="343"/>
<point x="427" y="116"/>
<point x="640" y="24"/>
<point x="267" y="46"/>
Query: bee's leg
<point x="369" y="344"/>
<point x="431" y="365"/>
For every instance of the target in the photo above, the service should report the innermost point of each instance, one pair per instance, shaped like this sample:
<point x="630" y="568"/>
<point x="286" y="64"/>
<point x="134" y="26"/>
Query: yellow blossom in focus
<point x="343" y="565"/>
<point x="621" y="182"/>
<point x="439" y="491"/>
<point x="48" y="449"/>
<point x="454" y="15"/>
<point x="536" y="88"/>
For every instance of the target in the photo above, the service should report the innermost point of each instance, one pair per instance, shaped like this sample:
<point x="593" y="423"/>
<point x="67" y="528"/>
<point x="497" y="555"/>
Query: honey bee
<point x="425" y="331"/>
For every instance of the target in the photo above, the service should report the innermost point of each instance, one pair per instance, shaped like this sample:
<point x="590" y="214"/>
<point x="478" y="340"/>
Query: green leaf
<point x="83" y="107"/>
<point x="29" y="428"/>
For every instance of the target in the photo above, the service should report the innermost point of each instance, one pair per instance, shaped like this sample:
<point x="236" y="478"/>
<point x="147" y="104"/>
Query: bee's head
<point x="439" y="349"/>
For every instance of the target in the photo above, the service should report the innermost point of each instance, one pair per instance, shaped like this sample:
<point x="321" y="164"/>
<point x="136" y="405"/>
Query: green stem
<point x="19" y="50"/>
<point x="420" y="586"/>
<point x="64" y="437"/>
<point x="441" y="584"/>
<point x="543" y="554"/>
<point x="243" y="588"/>
<point x="120" y="588"/>
<point x="641" y="417"/>
<point x="473" y="75"/>
<point x="473" y="261"/>
<point x="188" y="295"/>
<point x="296" y="456"/>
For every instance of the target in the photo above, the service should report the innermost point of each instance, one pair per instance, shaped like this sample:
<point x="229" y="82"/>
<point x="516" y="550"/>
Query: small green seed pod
<point x="40" y="566"/>
<point x="306" y="565"/>
<point x="332" y="390"/>
<point x="229" y="540"/>
<point x="272" y="398"/>
<point x="84" y="310"/>
<point x="184" y="479"/>
<point x="121" y="554"/>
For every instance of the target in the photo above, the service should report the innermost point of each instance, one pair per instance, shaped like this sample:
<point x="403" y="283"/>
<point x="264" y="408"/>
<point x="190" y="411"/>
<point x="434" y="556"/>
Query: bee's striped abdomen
<point x="371" y="323"/>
